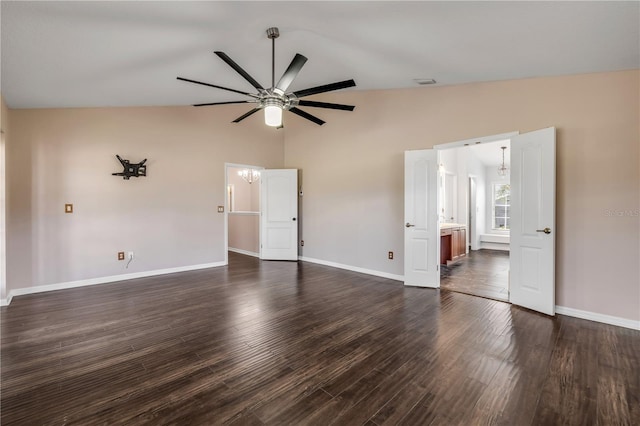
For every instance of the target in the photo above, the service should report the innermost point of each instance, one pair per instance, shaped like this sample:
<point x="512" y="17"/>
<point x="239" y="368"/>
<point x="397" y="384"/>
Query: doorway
<point x="242" y="206"/>
<point x="261" y="212"/>
<point x="532" y="218"/>
<point x="475" y="200"/>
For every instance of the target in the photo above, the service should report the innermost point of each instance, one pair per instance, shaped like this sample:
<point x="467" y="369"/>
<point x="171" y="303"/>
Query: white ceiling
<point x="490" y="154"/>
<point x="82" y="54"/>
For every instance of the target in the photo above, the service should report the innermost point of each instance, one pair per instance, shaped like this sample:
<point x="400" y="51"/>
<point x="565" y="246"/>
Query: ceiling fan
<point x="276" y="99"/>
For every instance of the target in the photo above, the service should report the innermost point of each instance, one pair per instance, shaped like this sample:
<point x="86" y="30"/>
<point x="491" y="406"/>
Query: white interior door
<point x="279" y="214"/>
<point x="421" y="232"/>
<point x="532" y="256"/>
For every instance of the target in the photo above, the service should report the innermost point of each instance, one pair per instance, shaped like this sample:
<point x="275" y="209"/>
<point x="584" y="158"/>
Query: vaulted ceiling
<point x="88" y="54"/>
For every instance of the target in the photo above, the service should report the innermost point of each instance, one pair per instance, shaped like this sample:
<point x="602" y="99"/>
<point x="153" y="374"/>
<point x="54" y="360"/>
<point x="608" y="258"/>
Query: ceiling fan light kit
<point x="276" y="99"/>
<point x="273" y="112"/>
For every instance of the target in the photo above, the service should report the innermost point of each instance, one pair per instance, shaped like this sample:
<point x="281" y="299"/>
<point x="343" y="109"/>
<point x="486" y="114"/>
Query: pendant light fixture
<point x="502" y="170"/>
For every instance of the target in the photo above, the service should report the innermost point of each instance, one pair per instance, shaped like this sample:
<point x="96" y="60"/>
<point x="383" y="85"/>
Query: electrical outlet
<point x="120" y="255"/>
<point x="220" y="209"/>
<point x="130" y="255"/>
<point x="390" y="255"/>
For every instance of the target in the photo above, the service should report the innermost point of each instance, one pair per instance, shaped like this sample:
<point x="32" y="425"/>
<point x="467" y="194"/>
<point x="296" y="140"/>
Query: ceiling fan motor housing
<point x="274" y="101"/>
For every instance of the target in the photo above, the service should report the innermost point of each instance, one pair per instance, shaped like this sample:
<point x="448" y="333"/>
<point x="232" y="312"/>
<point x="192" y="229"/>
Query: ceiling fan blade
<point x="224" y="103"/>
<point x="306" y="115"/>
<point x="325" y="88"/>
<point x="243" y="116"/>
<point x="291" y="73"/>
<point x="239" y="70"/>
<point x="315" y="104"/>
<point x="217" y="87"/>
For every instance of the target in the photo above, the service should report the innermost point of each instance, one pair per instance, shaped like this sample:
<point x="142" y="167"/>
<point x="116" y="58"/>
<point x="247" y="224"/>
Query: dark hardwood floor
<point x="302" y="344"/>
<point x="483" y="273"/>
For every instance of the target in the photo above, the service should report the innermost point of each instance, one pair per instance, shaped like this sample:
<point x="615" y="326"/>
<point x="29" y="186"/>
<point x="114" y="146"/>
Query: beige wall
<point x="352" y="173"/>
<point x="244" y="232"/>
<point x="168" y="218"/>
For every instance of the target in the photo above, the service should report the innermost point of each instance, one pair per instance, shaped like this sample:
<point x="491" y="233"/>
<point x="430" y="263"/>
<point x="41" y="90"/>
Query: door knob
<point x="545" y="230"/>
<point x="408" y="225"/>
<point x="294" y="219"/>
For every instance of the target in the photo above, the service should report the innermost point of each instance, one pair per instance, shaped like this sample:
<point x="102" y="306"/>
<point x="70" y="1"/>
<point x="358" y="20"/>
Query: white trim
<point x="105" y="280"/>
<point x="244" y="213"/>
<point x="494" y="246"/>
<point x="353" y="268"/>
<point x="495" y="238"/>
<point x="3" y="220"/>
<point x="245" y="252"/>
<point x="5" y="302"/>
<point x="483" y="139"/>
<point x="594" y="316"/>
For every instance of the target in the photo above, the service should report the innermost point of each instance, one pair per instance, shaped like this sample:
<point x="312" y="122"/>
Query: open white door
<point x="279" y="214"/>
<point x="533" y="195"/>
<point x="421" y="233"/>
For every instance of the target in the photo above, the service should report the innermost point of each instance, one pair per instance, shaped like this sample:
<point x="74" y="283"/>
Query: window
<point x="501" y="206"/>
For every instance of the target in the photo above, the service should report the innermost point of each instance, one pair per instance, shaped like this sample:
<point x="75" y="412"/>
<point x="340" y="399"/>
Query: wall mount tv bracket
<point x="131" y="169"/>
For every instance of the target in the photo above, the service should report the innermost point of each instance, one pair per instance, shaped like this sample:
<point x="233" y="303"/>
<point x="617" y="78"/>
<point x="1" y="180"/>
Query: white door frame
<point x="3" y="223"/>
<point x="227" y="166"/>
<point x="472" y="234"/>
<point x="474" y="141"/>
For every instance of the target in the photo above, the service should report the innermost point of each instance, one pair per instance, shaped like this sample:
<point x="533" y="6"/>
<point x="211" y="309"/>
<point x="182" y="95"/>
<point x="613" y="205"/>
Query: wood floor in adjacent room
<point x="302" y="344"/>
<point x="483" y="273"/>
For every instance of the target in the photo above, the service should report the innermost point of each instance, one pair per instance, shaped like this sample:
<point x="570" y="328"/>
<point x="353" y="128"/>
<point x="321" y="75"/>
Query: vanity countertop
<point x="451" y="225"/>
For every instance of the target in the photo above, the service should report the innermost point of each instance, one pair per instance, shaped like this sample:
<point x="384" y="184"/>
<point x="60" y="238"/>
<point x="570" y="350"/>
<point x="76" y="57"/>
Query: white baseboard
<point x="495" y="238"/>
<point x="248" y="253"/>
<point x="105" y="280"/>
<point x="353" y="268"/>
<point x="494" y="246"/>
<point x="594" y="316"/>
<point x="5" y="302"/>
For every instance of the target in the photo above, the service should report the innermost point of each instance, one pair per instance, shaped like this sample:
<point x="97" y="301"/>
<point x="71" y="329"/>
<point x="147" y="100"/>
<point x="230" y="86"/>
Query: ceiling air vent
<point x="424" y="81"/>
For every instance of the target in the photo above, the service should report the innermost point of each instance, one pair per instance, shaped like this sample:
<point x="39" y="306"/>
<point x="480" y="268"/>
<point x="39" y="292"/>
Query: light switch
<point x="220" y="209"/>
<point x="68" y="208"/>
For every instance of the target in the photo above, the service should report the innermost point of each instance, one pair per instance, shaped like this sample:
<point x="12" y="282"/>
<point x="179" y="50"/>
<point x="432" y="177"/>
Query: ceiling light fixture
<point x="273" y="112"/>
<point x="250" y="175"/>
<point x="502" y="170"/>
